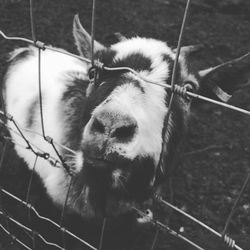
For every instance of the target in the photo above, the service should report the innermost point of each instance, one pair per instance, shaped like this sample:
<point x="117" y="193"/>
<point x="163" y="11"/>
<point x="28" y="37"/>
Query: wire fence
<point x="59" y="162"/>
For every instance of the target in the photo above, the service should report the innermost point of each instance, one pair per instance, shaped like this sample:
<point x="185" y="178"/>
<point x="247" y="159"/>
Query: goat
<point x="117" y="128"/>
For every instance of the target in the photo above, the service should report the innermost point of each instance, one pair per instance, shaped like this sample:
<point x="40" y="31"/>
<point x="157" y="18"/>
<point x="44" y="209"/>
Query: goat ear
<point x="190" y="49"/>
<point x="83" y="39"/>
<point x="120" y="37"/>
<point x="223" y="80"/>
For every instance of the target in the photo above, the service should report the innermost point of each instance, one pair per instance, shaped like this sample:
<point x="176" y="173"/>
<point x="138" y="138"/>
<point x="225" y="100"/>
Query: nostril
<point x="97" y="126"/>
<point x="125" y="132"/>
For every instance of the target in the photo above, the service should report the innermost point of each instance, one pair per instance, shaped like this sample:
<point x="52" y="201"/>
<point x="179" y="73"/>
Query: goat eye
<point x="93" y="77"/>
<point x="92" y="73"/>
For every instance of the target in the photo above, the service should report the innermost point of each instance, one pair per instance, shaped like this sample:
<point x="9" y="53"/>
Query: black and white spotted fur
<point x="116" y="127"/>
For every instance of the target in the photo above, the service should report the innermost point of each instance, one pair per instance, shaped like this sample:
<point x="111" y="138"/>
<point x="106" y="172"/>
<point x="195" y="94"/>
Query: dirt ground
<point x="216" y="162"/>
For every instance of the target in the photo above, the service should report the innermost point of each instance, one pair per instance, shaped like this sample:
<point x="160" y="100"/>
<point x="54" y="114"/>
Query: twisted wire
<point x="179" y="90"/>
<point x="45" y="218"/>
<point x="35" y="133"/>
<point x="229" y="241"/>
<point x="173" y="77"/>
<point x="14" y="238"/>
<point x="167" y="86"/>
<point x="31" y="147"/>
<point x="175" y="89"/>
<point x="40" y="153"/>
<point x="159" y="199"/>
<point x="167" y="229"/>
<point x="29" y="206"/>
<point x="182" y="91"/>
<point x="46" y="138"/>
<point x="31" y="231"/>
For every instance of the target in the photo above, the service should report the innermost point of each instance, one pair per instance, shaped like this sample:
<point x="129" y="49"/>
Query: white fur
<point x="148" y="108"/>
<point x="21" y="90"/>
<point x="147" y="46"/>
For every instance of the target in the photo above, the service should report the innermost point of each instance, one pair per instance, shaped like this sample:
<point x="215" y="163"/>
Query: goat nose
<point x="115" y="126"/>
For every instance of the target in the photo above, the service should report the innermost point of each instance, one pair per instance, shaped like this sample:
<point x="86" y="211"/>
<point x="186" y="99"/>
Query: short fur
<point x="116" y="127"/>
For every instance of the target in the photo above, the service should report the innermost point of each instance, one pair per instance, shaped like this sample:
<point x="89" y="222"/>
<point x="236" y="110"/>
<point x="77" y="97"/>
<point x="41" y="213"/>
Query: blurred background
<point x="217" y="148"/>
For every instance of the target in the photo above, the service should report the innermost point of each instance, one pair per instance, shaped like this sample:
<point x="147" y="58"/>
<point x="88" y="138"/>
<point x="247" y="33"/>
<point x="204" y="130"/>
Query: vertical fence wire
<point x="32" y="22"/>
<point x="246" y="181"/>
<point x="33" y="235"/>
<point x="45" y="219"/>
<point x="92" y="62"/>
<point x="1" y="198"/>
<point x="40" y="92"/>
<point x="173" y="84"/>
<point x="13" y="238"/>
<point x="37" y="44"/>
<point x="63" y="213"/>
<point x="93" y="31"/>
<point x="30" y="180"/>
<point x="173" y="77"/>
<point x="156" y="235"/>
<point x="44" y="135"/>
<point x="211" y="230"/>
<point x="5" y="143"/>
<point x="167" y="229"/>
<point x="102" y="233"/>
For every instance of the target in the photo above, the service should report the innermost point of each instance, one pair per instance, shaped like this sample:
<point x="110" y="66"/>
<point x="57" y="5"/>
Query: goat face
<point x="126" y="142"/>
<point x="124" y="119"/>
<point x="117" y="126"/>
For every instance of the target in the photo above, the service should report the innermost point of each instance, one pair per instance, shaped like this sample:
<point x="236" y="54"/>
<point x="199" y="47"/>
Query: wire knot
<point x="63" y="229"/>
<point x="40" y="45"/>
<point x="43" y="155"/>
<point x="46" y="156"/>
<point x="13" y="237"/>
<point x="182" y="91"/>
<point x="49" y="139"/>
<point x="98" y="65"/>
<point x="55" y="163"/>
<point x="9" y="117"/>
<point x="229" y="241"/>
<point x="92" y="73"/>
<point x="28" y="205"/>
<point x="157" y="197"/>
<point x="34" y="233"/>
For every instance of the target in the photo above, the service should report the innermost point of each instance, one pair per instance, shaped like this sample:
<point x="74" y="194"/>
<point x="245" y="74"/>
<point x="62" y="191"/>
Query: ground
<point x="216" y="162"/>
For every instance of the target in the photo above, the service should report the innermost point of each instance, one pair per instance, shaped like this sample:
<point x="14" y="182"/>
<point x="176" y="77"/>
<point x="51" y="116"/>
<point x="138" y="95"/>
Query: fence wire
<point x="59" y="161"/>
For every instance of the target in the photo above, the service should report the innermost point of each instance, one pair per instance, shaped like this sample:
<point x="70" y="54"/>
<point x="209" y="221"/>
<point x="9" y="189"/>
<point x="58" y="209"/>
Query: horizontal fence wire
<point x="14" y="238"/>
<point x="100" y="65"/>
<point x="167" y="229"/>
<point x="6" y="116"/>
<point x="175" y="89"/>
<point x="28" y="205"/>
<point x="226" y="238"/>
<point x="30" y="230"/>
<point x="41" y="153"/>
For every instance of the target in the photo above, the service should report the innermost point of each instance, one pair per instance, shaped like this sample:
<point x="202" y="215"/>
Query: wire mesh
<point x="60" y="161"/>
